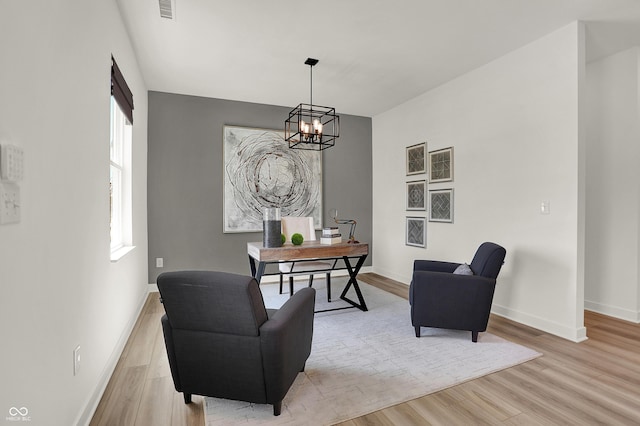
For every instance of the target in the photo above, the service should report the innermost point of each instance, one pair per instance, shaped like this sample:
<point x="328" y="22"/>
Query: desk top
<point x="307" y="250"/>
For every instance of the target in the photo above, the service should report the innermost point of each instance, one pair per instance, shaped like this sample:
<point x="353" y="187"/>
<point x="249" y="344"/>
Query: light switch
<point x="545" y="207"/>
<point x="11" y="163"/>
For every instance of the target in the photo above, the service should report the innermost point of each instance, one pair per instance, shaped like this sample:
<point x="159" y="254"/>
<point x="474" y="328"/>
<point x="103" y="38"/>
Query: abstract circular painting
<point x="261" y="171"/>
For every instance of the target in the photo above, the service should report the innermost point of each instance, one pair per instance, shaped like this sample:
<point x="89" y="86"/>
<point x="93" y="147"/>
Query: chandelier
<point x="309" y="126"/>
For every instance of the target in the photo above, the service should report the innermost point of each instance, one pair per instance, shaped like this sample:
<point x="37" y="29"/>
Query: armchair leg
<point x="290" y="286"/>
<point x="328" y="286"/>
<point x="187" y="398"/>
<point x="474" y="336"/>
<point x="280" y="283"/>
<point x="303" y="366"/>
<point x="277" y="407"/>
<point x="417" y="331"/>
<point x="311" y="280"/>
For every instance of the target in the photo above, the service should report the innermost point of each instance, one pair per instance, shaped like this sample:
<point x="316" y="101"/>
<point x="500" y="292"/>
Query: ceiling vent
<point x="167" y="8"/>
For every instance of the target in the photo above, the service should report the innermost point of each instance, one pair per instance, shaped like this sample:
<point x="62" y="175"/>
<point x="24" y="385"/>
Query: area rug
<point x="365" y="361"/>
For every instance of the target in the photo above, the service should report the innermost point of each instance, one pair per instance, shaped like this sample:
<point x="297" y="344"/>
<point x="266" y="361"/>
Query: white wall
<point x="613" y="209"/>
<point x="514" y="125"/>
<point x="58" y="288"/>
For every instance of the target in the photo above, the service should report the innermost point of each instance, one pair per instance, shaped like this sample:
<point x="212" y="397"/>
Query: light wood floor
<point x="593" y="382"/>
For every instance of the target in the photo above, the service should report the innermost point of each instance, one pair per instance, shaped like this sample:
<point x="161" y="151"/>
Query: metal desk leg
<point x="353" y="272"/>
<point x="257" y="274"/>
<point x="252" y="265"/>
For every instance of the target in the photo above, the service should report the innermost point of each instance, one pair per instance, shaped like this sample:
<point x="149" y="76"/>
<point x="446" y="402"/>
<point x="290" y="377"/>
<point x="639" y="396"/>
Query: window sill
<point x="118" y="254"/>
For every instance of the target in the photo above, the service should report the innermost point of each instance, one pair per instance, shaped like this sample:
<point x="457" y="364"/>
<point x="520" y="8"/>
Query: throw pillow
<point x="463" y="269"/>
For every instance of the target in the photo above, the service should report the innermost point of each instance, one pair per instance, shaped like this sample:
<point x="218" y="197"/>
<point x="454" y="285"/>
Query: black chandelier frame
<point x="312" y="115"/>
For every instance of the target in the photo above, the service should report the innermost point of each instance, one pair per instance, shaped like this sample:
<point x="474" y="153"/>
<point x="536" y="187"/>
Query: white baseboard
<point x="613" y="311"/>
<point x="92" y="404"/>
<point x="405" y="279"/>
<point x="575" y="335"/>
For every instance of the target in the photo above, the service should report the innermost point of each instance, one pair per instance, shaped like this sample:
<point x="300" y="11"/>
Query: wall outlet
<point x="76" y="360"/>
<point x="159" y="262"/>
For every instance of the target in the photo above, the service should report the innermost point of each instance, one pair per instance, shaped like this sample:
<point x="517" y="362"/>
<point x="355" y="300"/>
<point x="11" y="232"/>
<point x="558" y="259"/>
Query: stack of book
<point x="331" y="235"/>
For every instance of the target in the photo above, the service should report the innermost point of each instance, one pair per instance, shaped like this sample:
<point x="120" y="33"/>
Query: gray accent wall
<point x="185" y="180"/>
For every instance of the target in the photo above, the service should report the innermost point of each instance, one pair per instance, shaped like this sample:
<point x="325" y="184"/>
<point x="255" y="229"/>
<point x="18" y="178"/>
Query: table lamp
<point x="352" y="222"/>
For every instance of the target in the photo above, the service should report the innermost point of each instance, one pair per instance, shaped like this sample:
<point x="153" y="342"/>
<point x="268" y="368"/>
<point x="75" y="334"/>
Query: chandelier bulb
<point x="317" y="126"/>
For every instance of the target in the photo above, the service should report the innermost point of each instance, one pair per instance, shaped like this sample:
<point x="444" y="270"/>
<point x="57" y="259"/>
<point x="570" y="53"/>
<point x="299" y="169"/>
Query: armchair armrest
<point x="171" y="353"/>
<point x="434" y="265"/>
<point x="285" y="340"/>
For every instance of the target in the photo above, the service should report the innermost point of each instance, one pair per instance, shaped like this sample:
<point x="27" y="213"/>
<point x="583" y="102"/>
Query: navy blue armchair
<point x="222" y="342"/>
<point x="453" y="295"/>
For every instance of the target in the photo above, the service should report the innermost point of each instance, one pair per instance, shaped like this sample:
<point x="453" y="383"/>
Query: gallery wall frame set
<point x="437" y="166"/>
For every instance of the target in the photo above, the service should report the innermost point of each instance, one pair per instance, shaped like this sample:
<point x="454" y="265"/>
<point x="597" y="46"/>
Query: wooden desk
<point x="309" y="251"/>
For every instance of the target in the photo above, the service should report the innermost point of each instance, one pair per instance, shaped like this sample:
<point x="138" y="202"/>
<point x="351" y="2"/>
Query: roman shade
<point x="121" y="92"/>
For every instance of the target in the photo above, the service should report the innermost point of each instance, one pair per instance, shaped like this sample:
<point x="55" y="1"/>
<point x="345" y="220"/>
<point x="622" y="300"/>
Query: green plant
<point x="283" y="238"/>
<point x="297" y="239"/>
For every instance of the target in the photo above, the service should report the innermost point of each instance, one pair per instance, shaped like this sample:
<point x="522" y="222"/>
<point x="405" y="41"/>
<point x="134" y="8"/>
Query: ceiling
<point x="373" y="54"/>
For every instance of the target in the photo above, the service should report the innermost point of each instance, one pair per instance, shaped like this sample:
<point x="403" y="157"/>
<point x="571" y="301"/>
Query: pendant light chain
<point x="311" y="91"/>
<point x="311" y="96"/>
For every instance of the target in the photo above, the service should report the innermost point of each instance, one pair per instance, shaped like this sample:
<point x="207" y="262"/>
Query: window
<point x="120" y="165"/>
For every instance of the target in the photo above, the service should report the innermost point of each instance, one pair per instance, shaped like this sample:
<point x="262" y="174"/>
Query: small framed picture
<point x="441" y="165"/>
<point x="416" y="232"/>
<point x="417" y="195"/>
<point x="416" y="159"/>
<point x="441" y="205"/>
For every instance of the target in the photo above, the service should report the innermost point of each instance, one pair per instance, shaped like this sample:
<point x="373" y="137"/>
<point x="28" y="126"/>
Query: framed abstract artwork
<point x="417" y="195"/>
<point x="441" y="165"/>
<point x="416" y="159"/>
<point x="416" y="230"/>
<point x="261" y="171"/>
<point x="441" y="205"/>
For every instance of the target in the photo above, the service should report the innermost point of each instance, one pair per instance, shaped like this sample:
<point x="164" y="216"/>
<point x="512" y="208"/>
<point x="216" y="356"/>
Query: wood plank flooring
<point x="588" y="383"/>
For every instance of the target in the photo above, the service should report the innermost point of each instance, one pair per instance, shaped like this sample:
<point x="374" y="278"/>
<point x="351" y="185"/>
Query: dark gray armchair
<point x="459" y="301"/>
<point x="222" y="342"/>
